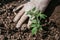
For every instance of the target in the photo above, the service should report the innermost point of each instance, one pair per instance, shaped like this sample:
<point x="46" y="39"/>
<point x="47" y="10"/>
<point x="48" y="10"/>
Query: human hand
<point x="21" y="16"/>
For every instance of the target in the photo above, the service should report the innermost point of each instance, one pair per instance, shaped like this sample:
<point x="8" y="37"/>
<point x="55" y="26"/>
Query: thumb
<point x="29" y="23"/>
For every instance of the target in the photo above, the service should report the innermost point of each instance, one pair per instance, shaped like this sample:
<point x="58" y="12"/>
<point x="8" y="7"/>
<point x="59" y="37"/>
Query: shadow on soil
<point x="50" y="9"/>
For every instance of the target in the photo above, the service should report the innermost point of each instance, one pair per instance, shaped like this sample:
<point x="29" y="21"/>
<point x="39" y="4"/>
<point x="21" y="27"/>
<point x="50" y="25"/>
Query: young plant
<point x="36" y="16"/>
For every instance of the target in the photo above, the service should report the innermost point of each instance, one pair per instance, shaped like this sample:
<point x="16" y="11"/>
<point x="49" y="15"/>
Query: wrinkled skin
<point x="21" y="16"/>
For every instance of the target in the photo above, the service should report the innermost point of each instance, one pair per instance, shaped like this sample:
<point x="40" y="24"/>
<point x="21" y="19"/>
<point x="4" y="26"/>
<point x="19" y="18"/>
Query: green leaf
<point x="42" y="16"/>
<point x="36" y="12"/>
<point x="38" y="25"/>
<point x="34" y="30"/>
<point x="33" y="25"/>
<point x="34" y="21"/>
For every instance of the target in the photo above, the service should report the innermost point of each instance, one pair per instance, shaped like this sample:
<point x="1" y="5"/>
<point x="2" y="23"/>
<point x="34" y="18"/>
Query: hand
<point x="21" y="16"/>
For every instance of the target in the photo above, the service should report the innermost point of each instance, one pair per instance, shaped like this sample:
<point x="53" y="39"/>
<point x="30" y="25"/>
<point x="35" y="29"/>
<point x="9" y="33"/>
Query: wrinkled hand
<point x="21" y="16"/>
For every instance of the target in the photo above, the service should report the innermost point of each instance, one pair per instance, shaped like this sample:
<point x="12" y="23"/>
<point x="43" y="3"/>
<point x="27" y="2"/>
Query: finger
<point x="18" y="15"/>
<point x="23" y="18"/>
<point x="29" y="23"/>
<point x="18" y="7"/>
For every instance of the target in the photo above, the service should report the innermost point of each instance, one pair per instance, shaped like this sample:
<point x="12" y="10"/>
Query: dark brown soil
<point x="51" y="31"/>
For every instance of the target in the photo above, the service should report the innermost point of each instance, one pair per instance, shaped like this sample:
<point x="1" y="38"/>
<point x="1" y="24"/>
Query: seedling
<point x="36" y="16"/>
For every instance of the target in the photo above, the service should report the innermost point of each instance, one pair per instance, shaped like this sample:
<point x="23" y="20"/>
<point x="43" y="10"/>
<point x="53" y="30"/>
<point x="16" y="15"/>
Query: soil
<point x="8" y="31"/>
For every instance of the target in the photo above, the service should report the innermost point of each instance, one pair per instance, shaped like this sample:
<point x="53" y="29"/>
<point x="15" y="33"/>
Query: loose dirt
<point x="8" y="31"/>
